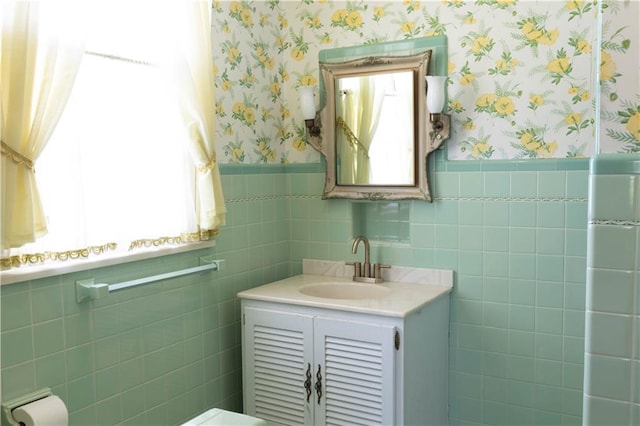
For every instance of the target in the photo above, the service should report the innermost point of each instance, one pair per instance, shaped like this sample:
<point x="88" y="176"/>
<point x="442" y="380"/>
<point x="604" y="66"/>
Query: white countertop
<point x="404" y="298"/>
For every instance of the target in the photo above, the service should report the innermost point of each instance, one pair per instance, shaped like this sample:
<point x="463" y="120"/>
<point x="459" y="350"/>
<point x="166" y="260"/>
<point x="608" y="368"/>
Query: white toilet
<point x="218" y="417"/>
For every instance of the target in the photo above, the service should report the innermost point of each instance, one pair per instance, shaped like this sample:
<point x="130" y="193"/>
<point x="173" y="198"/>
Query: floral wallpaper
<point x="523" y="75"/>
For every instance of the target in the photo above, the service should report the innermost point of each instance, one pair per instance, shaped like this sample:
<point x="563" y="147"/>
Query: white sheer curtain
<point x="42" y="46"/>
<point x="190" y="71"/>
<point x="372" y="90"/>
<point x="131" y="165"/>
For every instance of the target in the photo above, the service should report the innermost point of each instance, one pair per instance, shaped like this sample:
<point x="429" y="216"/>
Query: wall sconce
<point x="308" y="106"/>
<point x="440" y="123"/>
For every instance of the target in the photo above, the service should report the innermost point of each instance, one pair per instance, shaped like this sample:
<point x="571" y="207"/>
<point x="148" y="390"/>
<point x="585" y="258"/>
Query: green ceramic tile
<point x="469" y="361"/>
<point x="612" y="247"/>
<point x="496" y="213"/>
<point x="79" y="361"/>
<point x="132" y="400"/>
<point x="549" y="372"/>
<point x="470" y="336"/>
<point x="108" y="411"/>
<point x="446" y="212"/>
<point x="470" y="263"/>
<point x="84" y="416"/>
<point x="548" y="346"/>
<point x="551" y="215"/>
<point x="471" y="184"/>
<point x="495" y="340"/>
<point x="550" y="241"/>
<point x="521" y="342"/>
<point x="495" y="264"/>
<point x="520" y="368"/>
<point x="549" y="294"/>
<point x="602" y="341"/>
<point x="521" y="318"/>
<point x="574" y="296"/>
<point x="552" y="184"/>
<point x="610" y="377"/>
<point x="495" y="289"/>
<point x="81" y="393"/>
<point x="496" y="238"/>
<point x="522" y="240"/>
<point x="48" y="337"/>
<point x="612" y="197"/>
<point x="469" y="287"/>
<point x="550" y="268"/>
<point x="17" y="346"/>
<point x="51" y="370"/>
<point x="576" y="242"/>
<point x="575" y="268"/>
<point x="470" y="385"/>
<point x="15" y="308"/>
<point x="522" y="266"/>
<point x="106" y="352"/>
<point x="549" y="320"/>
<point x="470" y="212"/>
<point x="46" y="303"/>
<point x="495" y="315"/>
<point x="523" y="213"/>
<point x="522" y="292"/>
<point x="524" y="185"/>
<point x="572" y="376"/>
<point x="470" y="238"/>
<point x="573" y="349"/>
<point x="107" y="383"/>
<point x="447" y="184"/>
<point x="574" y="322"/>
<point x="576" y="215"/>
<point x="446" y="237"/>
<point x="469" y="312"/>
<point x="577" y="184"/>
<point x="497" y="184"/>
<point x="18" y="379"/>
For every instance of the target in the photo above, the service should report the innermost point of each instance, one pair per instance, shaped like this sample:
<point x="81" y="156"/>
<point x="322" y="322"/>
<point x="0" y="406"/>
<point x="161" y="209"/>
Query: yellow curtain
<point x="38" y="64"/>
<point x="190" y="69"/>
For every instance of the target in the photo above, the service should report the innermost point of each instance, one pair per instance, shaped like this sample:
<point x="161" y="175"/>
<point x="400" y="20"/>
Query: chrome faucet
<point x="362" y="271"/>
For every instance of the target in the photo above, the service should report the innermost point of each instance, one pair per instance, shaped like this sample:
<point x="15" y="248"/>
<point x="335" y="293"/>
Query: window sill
<point x="28" y="273"/>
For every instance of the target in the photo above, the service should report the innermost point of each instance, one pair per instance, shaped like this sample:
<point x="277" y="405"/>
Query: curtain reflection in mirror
<point x="373" y="115"/>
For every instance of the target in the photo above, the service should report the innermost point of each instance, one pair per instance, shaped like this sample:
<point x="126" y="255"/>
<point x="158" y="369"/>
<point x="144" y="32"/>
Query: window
<point x="116" y="172"/>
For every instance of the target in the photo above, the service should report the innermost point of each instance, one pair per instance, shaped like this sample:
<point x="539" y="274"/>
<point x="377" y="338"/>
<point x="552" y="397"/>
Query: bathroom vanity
<point x="322" y="349"/>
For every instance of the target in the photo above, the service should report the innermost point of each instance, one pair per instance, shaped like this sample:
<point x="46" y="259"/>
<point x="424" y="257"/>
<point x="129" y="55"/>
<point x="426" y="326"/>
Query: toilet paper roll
<point x="49" y="411"/>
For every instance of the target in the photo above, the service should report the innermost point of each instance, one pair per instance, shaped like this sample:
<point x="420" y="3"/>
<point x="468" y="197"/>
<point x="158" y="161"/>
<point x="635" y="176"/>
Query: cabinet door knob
<point x="319" y="384"/>
<point x="307" y="383"/>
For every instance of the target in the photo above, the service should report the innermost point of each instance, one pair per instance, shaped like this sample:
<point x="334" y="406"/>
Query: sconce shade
<point x="307" y="103"/>
<point x="435" y="93"/>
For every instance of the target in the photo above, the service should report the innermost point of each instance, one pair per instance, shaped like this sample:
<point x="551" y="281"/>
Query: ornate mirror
<point x="375" y="127"/>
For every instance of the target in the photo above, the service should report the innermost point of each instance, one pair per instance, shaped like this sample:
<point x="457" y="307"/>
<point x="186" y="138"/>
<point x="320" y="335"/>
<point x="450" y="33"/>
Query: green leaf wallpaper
<point x="524" y="80"/>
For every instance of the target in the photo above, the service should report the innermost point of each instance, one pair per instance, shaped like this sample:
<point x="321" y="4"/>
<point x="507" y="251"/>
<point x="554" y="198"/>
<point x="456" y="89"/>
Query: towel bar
<point x="90" y="290"/>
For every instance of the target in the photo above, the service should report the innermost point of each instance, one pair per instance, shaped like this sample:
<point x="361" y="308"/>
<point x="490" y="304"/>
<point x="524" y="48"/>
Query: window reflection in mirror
<point x="375" y="129"/>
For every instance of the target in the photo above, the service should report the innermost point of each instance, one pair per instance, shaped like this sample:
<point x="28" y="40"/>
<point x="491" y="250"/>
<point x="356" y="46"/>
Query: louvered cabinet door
<point x="357" y="370"/>
<point x="278" y="354"/>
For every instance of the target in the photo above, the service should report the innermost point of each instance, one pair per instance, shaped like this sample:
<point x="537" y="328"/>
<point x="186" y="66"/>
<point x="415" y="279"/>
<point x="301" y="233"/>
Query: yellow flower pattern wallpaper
<point x="526" y="79"/>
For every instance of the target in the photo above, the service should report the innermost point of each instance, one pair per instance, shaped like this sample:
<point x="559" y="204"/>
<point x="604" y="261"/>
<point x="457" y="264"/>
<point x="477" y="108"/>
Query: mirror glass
<point x="375" y="141"/>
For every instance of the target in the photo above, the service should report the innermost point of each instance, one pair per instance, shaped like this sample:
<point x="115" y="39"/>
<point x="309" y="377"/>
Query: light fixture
<point x="440" y="123"/>
<point x="308" y="107"/>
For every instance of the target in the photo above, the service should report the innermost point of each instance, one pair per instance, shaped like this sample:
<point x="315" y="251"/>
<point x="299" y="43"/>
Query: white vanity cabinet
<point x="323" y="365"/>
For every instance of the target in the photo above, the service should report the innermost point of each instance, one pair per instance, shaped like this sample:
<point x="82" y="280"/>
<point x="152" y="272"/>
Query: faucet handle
<point x="377" y="272"/>
<point x="357" y="268"/>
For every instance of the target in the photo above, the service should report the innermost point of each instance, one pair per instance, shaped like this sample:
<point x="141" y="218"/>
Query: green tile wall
<point x="612" y="349"/>
<point x="515" y="236"/>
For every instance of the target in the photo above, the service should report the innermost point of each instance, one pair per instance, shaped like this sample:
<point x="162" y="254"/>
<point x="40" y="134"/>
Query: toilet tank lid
<point x="216" y="416"/>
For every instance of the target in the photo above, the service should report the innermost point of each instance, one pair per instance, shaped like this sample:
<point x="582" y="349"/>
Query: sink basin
<point x="332" y="290"/>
